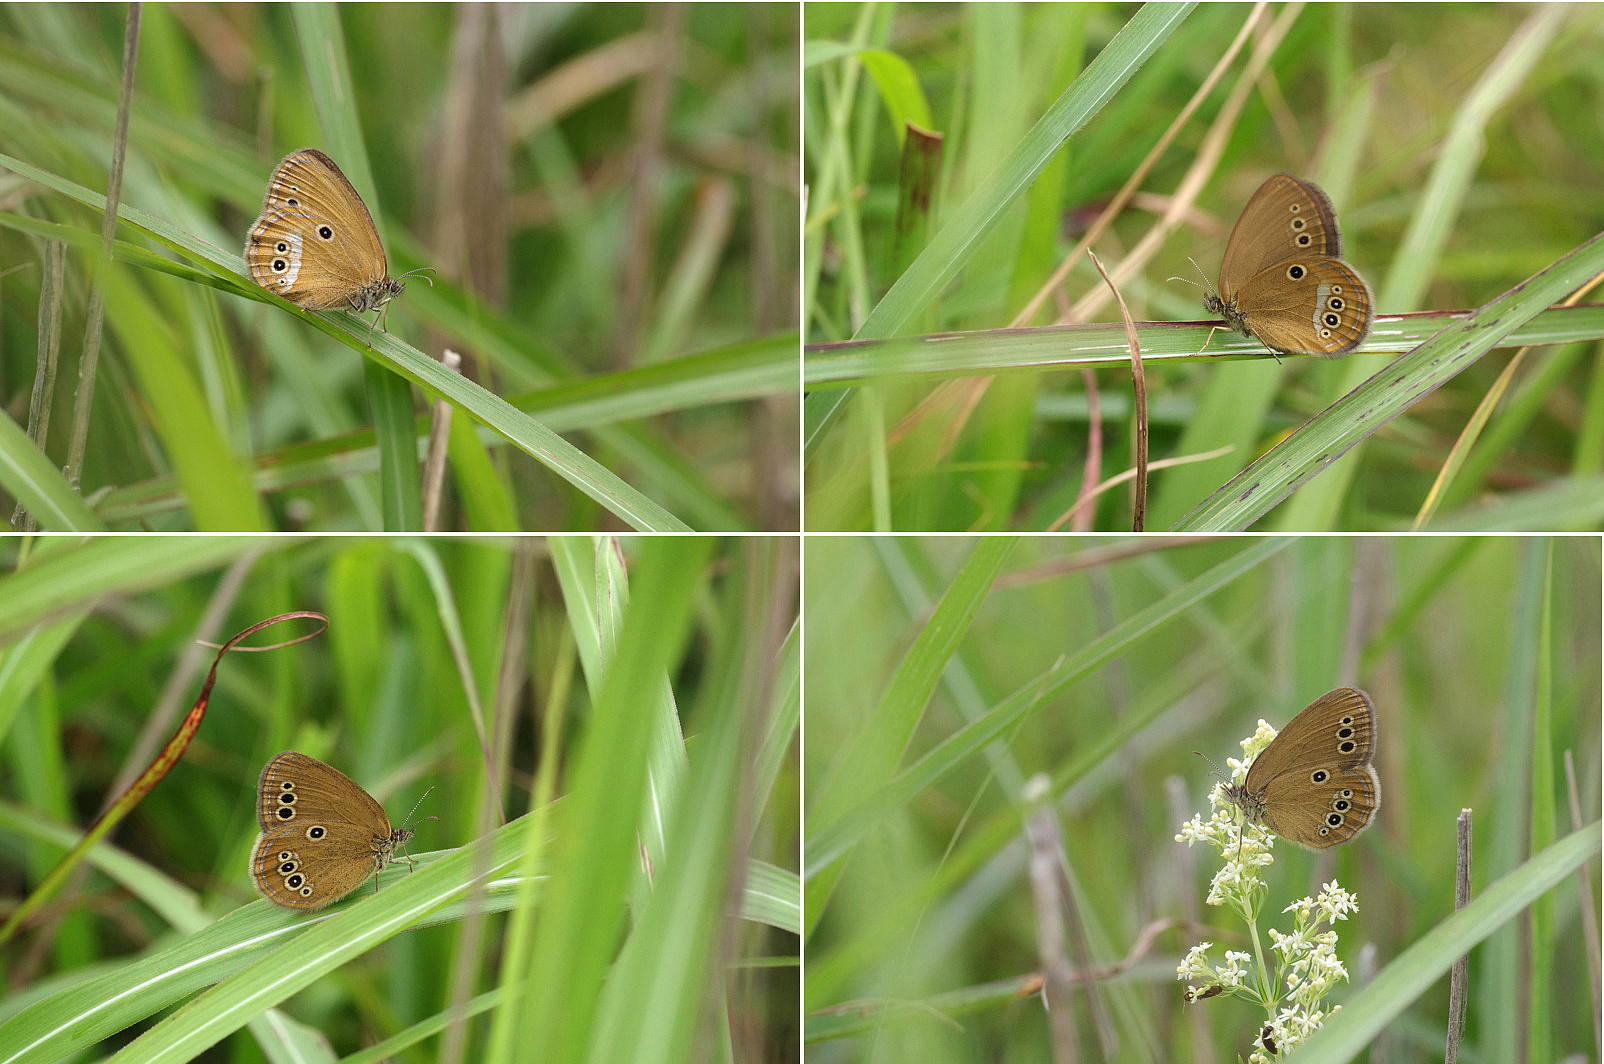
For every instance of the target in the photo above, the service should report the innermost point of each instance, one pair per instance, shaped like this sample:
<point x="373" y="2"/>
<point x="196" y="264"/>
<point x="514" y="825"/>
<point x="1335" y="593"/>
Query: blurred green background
<point x="608" y="193"/>
<point x="943" y="673"/>
<point x="1457" y="141"/>
<point x="657" y="876"/>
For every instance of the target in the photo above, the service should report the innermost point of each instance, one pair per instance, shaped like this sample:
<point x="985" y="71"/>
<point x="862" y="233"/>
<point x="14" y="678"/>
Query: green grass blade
<point x="941" y="260"/>
<point x="31" y="478"/>
<point x="1422" y="965"/>
<point x="1264" y="483"/>
<point x="828" y="842"/>
<point x="518" y="428"/>
<point x="978" y="215"/>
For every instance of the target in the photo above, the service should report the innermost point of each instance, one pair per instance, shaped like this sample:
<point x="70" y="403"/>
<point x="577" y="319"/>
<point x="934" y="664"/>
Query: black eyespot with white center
<point x="316" y="831"/>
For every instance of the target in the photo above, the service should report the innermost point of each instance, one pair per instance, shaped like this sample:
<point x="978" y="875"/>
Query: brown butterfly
<point x="1314" y="784"/>
<point x="315" y="244"/>
<point x="1283" y="281"/>
<point x="322" y="835"/>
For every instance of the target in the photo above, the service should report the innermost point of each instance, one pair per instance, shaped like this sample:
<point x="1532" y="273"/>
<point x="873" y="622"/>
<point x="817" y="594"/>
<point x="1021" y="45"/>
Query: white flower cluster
<point x="1245" y="847"/>
<point x="1196" y="966"/>
<point x="1305" y="960"/>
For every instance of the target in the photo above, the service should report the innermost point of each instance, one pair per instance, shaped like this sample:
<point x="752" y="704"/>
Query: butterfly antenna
<point x="1241" y="813"/>
<point x="415" y="805"/>
<point x="1210" y="290"/>
<point x="1187" y="280"/>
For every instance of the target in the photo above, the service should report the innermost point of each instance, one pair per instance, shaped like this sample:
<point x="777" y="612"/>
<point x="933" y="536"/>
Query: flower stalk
<point x="1292" y="979"/>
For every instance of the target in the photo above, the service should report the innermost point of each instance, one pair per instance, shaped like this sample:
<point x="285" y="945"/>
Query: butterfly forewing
<point x="310" y="180"/>
<point x="1286" y="217"/>
<point x="322" y="786"/>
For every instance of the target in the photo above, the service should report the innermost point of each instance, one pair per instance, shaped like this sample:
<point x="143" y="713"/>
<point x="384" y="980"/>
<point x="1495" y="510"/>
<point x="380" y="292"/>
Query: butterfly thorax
<point x="384" y="846"/>
<point x="376" y="294"/>
<point x="1227" y="309"/>
<point x="1250" y="802"/>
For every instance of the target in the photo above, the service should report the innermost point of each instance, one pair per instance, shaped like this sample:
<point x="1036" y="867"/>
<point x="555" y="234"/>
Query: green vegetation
<point x="608" y="726"/>
<point x="608" y="194"/>
<point x="1461" y="156"/>
<point x="968" y="687"/>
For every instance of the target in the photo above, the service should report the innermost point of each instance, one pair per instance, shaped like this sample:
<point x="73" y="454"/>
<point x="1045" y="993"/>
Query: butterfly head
<point x="376" y="296"/>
